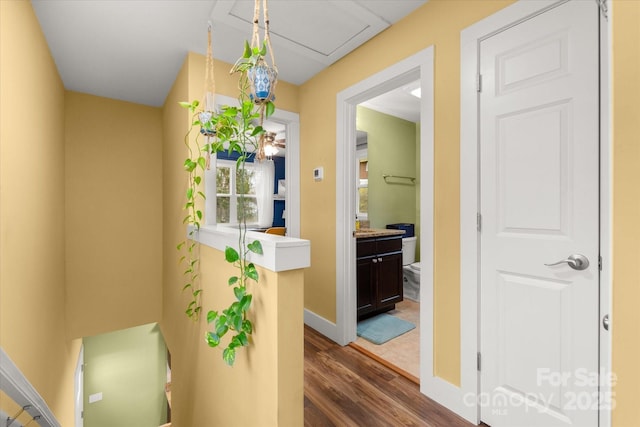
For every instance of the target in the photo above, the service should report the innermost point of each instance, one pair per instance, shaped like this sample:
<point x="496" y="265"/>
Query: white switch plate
<point x="96" y="397"/>
<point x="318" y="173"/>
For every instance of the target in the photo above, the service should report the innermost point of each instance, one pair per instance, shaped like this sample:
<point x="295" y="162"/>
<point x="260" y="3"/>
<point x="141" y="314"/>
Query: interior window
<point x="230" y="184"/>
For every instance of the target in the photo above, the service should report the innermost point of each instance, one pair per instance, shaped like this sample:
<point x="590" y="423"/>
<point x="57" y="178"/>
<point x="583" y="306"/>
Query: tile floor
<point x="403" y="351"/>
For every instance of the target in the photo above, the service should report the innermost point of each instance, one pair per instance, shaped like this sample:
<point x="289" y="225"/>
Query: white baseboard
<point x="322" y="325"/>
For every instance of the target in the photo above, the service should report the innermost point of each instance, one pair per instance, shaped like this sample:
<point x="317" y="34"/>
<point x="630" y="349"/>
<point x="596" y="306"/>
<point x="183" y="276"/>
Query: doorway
<point x="417" y="67"/>
<point x="387" y="164"/>
<point x="517" y="350"/>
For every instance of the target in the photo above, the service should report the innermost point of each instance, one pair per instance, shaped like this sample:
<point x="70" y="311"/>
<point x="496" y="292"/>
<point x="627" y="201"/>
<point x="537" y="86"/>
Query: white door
<point x="539" y="196"/>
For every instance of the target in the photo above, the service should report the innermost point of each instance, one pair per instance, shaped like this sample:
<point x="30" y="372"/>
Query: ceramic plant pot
<point x="263" y="80"/>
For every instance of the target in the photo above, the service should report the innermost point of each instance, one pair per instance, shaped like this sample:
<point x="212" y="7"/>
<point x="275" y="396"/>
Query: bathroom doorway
<point x="387" y="166"/>
<point x="418" y="67"/>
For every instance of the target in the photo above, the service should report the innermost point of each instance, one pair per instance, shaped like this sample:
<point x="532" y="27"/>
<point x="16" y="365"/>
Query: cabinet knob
<point x="374" y="260"/>
<point x="379" y="259"/>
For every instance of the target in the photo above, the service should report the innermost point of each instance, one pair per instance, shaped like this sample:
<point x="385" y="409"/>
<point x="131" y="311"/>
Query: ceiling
<point x="132" y="50"/>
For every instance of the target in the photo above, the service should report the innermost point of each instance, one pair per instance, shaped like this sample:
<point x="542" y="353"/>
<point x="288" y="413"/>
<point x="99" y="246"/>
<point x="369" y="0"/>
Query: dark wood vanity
<point x="379" y="271"/>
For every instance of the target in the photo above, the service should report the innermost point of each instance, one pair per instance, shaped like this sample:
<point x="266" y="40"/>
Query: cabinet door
<point x="389" y="279"/>
<point x="366" y="285"/>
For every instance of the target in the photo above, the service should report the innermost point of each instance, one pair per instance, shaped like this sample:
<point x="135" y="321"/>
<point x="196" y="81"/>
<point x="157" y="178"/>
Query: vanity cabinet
<point x="379" y="274"/>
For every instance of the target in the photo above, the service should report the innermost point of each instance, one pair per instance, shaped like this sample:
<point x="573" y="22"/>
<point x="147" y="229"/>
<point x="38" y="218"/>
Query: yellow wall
<point x="437" y="23"/>
<point x="626" y="211"/>
<point x="32" y="228"/>
<point x="113" y="214"/>
<point x="268" y="375"/>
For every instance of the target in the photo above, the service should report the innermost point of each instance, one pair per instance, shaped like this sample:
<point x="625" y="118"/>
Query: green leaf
<point x="199" y="214"/>
<point x="270" y="108"/>
<point x="197" y="292"/>
<point x="189" y="193"/>
<point x="221" y="325"/>
<point x="180" y="245"/>
<point x="189" y="312"/>
<point x="247" y="326"/>
<point x="263" y="51"/>
<point x="195" y="103"/>
<point x="187" y="286"/>
<point x="239" y="292"/>
<point x="233" y="280"/>
<point x="251" y="272"/>
<point x="189" y="165"/>
<point x="229" y="355"/>
<point x="257" y="130"/>
<point x="255" y="247"/>
<point x="247" y="50"/>
<point x="212" y="339"/>
<point x="197" y="180"/>
<point x="235" y="342"/>
<point x="237" y="323"/>
<point x="201" y="194"/>
<point x="230" y="111"/>
<point x="242" y="337"/>
<point x="184" y="104"/>
<point x="211" y="316"/>
<point x="231" y="255"/>
<point x="202" y="162"/>
<point x="245" y="303"/>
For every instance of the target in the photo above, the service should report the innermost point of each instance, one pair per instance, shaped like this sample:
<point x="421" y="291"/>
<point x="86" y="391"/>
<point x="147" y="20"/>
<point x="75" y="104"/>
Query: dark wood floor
<point x="343" y="387"/>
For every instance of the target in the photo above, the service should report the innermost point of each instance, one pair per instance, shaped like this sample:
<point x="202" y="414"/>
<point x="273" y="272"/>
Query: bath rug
<point x="382" y="328"/>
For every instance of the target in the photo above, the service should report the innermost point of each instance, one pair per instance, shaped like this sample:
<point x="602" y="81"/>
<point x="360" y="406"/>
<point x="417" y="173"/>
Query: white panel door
<point x="539" y="201"/>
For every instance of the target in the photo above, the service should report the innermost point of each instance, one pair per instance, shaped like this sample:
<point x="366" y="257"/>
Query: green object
<point x="235" y="129"/>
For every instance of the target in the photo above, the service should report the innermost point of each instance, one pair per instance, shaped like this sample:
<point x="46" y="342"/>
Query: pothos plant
<point x="233" y="129"/>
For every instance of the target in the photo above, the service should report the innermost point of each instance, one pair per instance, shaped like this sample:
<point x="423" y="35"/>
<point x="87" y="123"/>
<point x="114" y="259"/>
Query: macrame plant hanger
<point x="263" y="77"/>
<point x="209" y="106"/>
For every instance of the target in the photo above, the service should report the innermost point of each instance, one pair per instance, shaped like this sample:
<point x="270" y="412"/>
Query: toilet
<point x="410" y="269"/>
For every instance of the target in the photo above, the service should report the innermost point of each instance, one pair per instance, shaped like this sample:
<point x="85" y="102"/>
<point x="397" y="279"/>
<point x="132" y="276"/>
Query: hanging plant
<point x="194" y="165"/>
<point x="233" y="129"/>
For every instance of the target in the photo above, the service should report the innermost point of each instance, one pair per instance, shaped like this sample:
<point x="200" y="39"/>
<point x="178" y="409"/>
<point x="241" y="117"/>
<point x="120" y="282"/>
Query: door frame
<point x="469" y="197"/>
<point x="418" y="66"/>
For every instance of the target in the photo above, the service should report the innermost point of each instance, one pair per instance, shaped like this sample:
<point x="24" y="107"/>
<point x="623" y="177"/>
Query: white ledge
<point x="280" y="253"/>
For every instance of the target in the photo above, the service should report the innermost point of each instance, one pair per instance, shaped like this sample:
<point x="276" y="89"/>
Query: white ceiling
<point x="132" y="50"/>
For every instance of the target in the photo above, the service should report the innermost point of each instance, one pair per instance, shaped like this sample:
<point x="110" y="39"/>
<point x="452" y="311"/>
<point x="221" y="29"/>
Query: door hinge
<point x="602" y="4"/>
<point x="479" y="222"/>
<point x="479" y="361"/>
<point x="479" y="83"/>
<point x="600" y="262"/>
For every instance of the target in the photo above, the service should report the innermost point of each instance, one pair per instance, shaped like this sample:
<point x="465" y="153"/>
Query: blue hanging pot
<point x="263" y="79"/>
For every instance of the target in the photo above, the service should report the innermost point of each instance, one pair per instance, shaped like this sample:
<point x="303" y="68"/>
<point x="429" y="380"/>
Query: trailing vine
<point x="195" y="165"/>
<point x="232" y="129"/>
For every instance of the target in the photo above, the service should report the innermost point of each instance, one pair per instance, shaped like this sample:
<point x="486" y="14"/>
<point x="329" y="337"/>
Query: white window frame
<point x="233" y="197"/>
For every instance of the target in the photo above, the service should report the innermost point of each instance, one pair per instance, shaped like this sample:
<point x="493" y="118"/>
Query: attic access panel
<point x="323" y="31"/>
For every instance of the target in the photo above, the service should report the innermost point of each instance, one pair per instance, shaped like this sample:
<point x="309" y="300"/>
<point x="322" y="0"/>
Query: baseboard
<point x="322" y="325"/>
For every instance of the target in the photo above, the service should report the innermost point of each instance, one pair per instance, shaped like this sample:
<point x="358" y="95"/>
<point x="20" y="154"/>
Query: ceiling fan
<point x="270" y="138"/>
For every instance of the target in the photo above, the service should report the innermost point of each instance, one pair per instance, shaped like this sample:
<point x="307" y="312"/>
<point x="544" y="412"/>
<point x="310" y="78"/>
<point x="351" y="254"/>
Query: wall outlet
<point x="318" y="173"/>
<point x="96" y="397"/>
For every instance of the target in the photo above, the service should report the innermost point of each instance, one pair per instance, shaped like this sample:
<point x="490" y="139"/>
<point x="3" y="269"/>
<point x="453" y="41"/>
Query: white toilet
<point x="410" y="269"/>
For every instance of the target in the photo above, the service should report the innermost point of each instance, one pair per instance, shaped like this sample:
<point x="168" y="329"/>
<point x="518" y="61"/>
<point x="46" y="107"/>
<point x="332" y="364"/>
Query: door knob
<point x="575" y="261"/>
